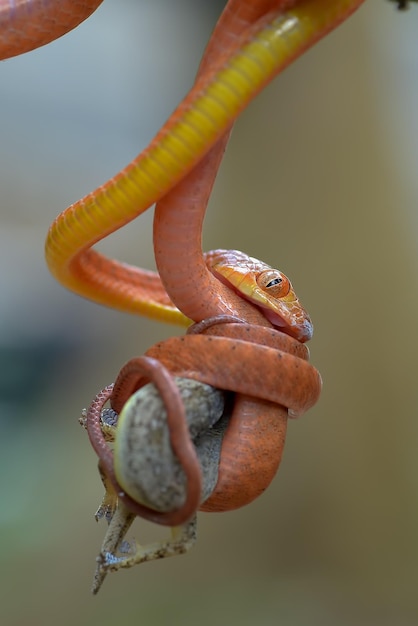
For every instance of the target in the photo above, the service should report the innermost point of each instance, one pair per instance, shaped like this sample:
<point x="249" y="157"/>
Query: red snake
<point x="266" y="367"/>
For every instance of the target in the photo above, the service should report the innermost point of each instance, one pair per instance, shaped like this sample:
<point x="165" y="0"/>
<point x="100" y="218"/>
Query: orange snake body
<point x="252" y="42"/>
<point x="25" y="25"/>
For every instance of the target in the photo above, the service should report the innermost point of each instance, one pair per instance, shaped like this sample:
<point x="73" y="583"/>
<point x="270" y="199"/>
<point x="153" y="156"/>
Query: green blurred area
<point x="319" y="180"/>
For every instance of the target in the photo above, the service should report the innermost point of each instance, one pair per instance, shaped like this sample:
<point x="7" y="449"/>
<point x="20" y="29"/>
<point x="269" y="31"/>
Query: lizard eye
<point x="273" y="282"/>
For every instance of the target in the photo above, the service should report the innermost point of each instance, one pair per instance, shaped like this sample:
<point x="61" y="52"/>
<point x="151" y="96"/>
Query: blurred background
<point x="319" y="180"/>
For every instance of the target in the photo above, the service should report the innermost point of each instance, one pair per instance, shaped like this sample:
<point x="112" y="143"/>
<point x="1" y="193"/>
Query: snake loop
<point x="254" y="354"/>
<point x="133" y="375"/>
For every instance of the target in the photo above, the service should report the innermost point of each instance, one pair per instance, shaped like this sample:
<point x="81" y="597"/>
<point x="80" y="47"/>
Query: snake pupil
<point x="275" y="281"/>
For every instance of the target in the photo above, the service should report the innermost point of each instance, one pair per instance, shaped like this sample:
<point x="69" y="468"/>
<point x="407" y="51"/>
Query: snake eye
<point x="273" y="282"/>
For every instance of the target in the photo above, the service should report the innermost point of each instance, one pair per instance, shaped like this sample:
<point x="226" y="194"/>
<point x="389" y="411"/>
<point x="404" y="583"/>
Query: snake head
<point x="269" y="289"/>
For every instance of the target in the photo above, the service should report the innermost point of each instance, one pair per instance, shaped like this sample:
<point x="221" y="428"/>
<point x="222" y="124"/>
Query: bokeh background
<point x="320" y="179"/>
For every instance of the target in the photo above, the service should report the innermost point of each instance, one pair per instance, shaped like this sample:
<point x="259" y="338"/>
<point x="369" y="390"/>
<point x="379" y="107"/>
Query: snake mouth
<point x="299" y="326"/>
